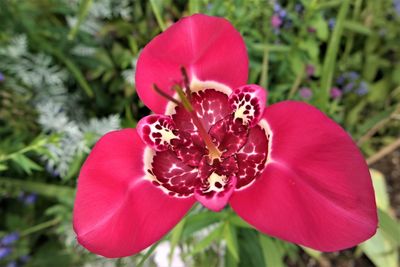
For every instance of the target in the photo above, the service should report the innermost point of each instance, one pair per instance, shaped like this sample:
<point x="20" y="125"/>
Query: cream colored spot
<point x="215" y="179"/>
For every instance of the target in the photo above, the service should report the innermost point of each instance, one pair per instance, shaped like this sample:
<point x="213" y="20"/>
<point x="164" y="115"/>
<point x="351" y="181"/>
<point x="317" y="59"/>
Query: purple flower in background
<point x="27" y="199"/>
<point x="362" y="89"/>
<point x="396" y="5"/>
<point x="30" y="199"/>
<point x="305" y="93"/>
<point x="4" y="252"/>
<point x="352" y="75"/>
<point x="282" y="13"/>
<point x="336" y="92"/>
<point x="9" y="238"/>
<point x="1" y="77"/>
<point x="340" y="80"/>
<point x="277" y="7"/>
<point x="348" y="87"/>
<point x="331" y="23"/>
<point x="12" y="264"/>
<point x="24" y="258"/>
<point x="276" y="21"/>
<point x="310" y="70"/>
<point x="298" y="8"/>
<point x="279" y="17"/>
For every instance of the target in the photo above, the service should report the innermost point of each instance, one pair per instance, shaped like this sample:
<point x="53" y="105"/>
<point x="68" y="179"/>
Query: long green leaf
<point x="273" y="257"/>
<point x="83" y="11"/>
<point x="206" y="242"/>
<point x="231" y="240"/>
<point x="330" y="58"/>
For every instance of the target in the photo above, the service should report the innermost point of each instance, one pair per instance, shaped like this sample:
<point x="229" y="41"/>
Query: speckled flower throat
<point x="211" y="145"/>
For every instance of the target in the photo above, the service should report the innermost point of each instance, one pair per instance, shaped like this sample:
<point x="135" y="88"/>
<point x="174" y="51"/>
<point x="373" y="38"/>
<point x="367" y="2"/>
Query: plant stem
<point x="40" y="227"/>
<point x="384" y="151"/>
<point x="156" y="12"/>
<point x="264" y="68"/>
<point x="55" y="191"/>
<point x="296" y="83"/>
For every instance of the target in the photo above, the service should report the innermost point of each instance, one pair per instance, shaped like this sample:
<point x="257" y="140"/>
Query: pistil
<point x="213" y="151"/>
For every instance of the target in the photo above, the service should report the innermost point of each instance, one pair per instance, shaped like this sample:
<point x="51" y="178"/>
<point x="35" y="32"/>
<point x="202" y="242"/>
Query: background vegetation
<point x="67" y="77"/>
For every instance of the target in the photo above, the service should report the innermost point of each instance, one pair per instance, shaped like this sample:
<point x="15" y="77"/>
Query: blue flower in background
<point x="298" y="8"/>
<point x="331" y="23"/>
<point x="4" y="252"/>
<point x="30" y="199"/>
<point x="396" y="5"/>
<point x="12" y="264"/>
<point x="24" y="258"/>
<point x="340" y="80"/>
<point x="352" y="82"/>
<point x="27" y="199"/>
<point x="362" y="89"/>
<point x="352" y="75"/>
<point x="9" y="238"/>
<point x="1" y="77"/>
<point x="277" y="7"/>
<point x="348" y="87"/>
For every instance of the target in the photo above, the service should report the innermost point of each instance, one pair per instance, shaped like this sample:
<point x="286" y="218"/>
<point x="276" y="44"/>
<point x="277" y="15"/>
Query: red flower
<point x="287" y="169"/>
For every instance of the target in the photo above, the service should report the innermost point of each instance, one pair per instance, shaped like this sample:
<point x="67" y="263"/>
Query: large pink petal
<point x="117" y="212"/>
<point x="210" y="48"/>
<point x="316" y="189"/>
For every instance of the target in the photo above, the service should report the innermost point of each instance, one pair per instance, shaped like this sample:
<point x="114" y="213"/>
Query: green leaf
<point x="381" y="194"/>
<point x="251" y="253"/>
<point x="389" y="226"/>
<point x="176" y="235"/>
<point x="83" y="11"/>
<point x="237" y="221"/>
<point x="273" y="257"/>
<point x="198" y="221"/>
<point x="3" y="167"/>
<point x="330" y="57"/>
<point x="231" y="240"/>
<point x="380" y="251"/>
<point x="321" y="27"/>
<point x="356" y="27"/>
<point x="206" y="242"/>
<point x="25" y="163"/>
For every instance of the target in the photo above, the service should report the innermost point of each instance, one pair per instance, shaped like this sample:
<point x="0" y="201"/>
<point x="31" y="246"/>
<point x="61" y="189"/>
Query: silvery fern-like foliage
<point x="129" y="74"/>
<point x="58" y="109"/>
<point x="73" y="142"/>
<point x="101" y="126"/>
<point x="17" y="47"/>
<point x="83" y="50"/>
<point x="37" y="72"/>
<point x="98" y="12"/>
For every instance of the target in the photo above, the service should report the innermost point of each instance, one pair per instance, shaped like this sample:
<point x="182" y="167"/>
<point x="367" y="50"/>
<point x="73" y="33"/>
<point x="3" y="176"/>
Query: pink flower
<point x="305" y="93"/>
<point x="310" y="70"/>
<point x="336" y="93"/>
<point x="276" y="21"/>
<point x="286" y="169"/>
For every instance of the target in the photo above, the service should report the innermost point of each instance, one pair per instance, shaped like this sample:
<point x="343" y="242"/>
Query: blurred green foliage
<point x="67" y="77"/>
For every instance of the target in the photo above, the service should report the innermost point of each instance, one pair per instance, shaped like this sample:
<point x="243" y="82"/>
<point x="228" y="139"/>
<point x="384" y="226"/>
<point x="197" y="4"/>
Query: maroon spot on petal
<point x="252" y="156"/>
<point x="172" y="174"/>
<point x="210" y="105"/>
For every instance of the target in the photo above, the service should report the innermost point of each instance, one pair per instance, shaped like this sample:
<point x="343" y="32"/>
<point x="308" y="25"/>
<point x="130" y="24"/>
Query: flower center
<point x="211" y="146"/>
